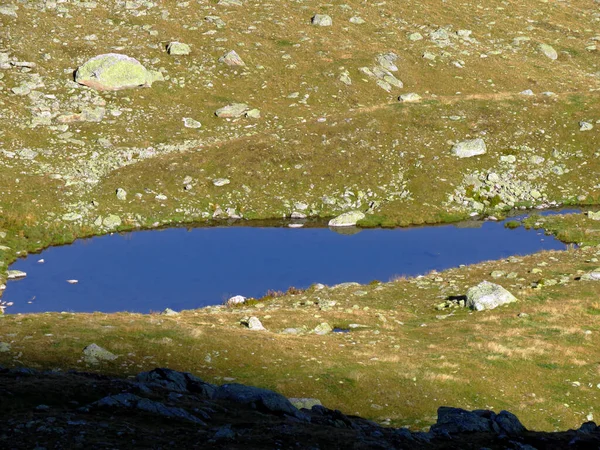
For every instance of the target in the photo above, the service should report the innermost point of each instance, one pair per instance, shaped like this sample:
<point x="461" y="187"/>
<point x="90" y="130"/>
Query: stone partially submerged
<point x="347" y="219"/>
<point x="488" y="295"/>
<point x="114" y="71"/>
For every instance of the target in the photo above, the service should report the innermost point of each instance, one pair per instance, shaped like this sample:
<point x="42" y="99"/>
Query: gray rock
<point x="388" y="61"/>
<point x="587" y="428"/>
<point x="113" y="71"/>
<point x="121" y="194"/>
<point x="593" y="275"/>
<point x="178" y="49"/>
<point x="456" y="420"/>
<point x="321" y="20"/>
<point x="94" y="354"/>
<point x="232" y="111"/>
<point x="357" y="20"/>
<point x="262" y="399"/>
<point x="410" y="98"/>
<point x="131" y="401"/>
<point x="488" y="295"/>
<point x="15" y="274"/>
<point x="469" y="148"/>
<point x="323" y="328"/>
<point x="548" y="51"/>
<point x="188" y="122"/>
<point x="169" y="312"/>
<point x="509" y="423"/>
<point x="111" y="221"/>
<point x="253" y="114"/>
<point x="236" y="300"/>
<point x="253" y="323"/>
<point x="306" y="403"/>
<point x="224" y="433"/>
<point x="585" y="126"/>
<point x="232" y="59"/>
<point x="221" y="181"/>
<point x="347" y="219"/>
<point x="4" y="347"/>
<point x="593" y="215"/>
<point x="176" y="382"/>
<point x="415" y="37"/>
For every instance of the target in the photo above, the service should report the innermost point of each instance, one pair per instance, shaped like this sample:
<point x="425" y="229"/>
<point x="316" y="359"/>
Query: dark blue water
<point x="185" y="269"/>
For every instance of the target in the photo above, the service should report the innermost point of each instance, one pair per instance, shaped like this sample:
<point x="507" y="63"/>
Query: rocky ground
<point x="166" y="409"/>
<point x="398" y="113"/>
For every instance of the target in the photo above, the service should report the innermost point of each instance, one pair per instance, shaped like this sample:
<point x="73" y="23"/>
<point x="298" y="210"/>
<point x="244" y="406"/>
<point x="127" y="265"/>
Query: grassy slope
<point x="368" y="142"/>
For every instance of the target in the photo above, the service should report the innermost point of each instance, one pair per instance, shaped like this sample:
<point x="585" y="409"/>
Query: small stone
<point x="321" y="20"/>
<point x="469" y="148"/>
<point x="347" y="219"/>
<point x="221" y="181"/>
<point x="121" y="194"/>
<point x="169" y="312"/>
<point x="178" y="49"/>
<point x="585" y="126"/>
<point x="232" y="59"/>
<point x="94" y="354"/>
<point x="488" y="295"/>
<point x="357" y="20"/>
<point x="253" y="323"/>
<point x="4" y="347"/>
<point x="415" y="37"/>
<point x="232" y="111"/>
<point x="548" y="51"/>
<point x="323" y="328"/>
<point x="188" y="122"/>
<point x="15" y="274"/>
<point x="253" y="114"/>
<point x="410" y="98"/>
<point x="593" y="215"/>
<point x="236" y="300"/>
<point x="111" y="221"/>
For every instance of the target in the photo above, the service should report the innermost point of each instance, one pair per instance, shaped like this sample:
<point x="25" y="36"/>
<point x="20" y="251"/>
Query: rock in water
<point x="321" y="20"/>
<point x="113" y="71"/>
<point x="347" y="219"/>
<point x="549" y="51"/>
<point x="15" y="274"/>
<point x="93" y="354"/>
<point x="488" y="295"/>
<point x="466" y="149"/>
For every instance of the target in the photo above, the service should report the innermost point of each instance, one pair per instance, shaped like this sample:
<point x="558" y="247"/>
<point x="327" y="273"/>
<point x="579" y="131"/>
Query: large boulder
<point x="347" y="219"/>
<point x="469" y="148"/>
<point x="488" y="295"/>
<point x="176" y="382"/>
<point x="261" y="399"/>
<point x="94" y="354"/>
<point x="114" y="71"/>
<point x="456" y="420"/>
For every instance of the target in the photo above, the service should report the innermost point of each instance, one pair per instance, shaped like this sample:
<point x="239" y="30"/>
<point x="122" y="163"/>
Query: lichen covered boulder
<point x="469" y="148"/>
<point x="114" y="71"/>
<point x="488" y="295"/>
<point x="347" y="219"/>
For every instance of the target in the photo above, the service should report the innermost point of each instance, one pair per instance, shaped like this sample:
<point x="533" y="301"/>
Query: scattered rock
<point x="322" y="20"/>
<point x="347" y="219"/>
<point x="94" y="354"/>
<point x="232" y="111"/>
<point x="306" y="403"/>
<point x="178" y="49"/>
<point x="585" y="126"/>
<point x="253" y="323"/>
<point x="113" y="71"/>
<point x="410" y="98"/>
<point x="175" y="381"/>
<point x="121" y="194"/>
<point x="15" y="274"/>
<point x="236" y="300"/>
<point x="548" y="51"/>
<point x="323" y="328"/>
<point x="469" y="148"/>
<point x="169" y="312"/>
<point x="221" y="181"/>
<point x="488" y="295"/>
<point x="232" y="59"/>
<point x="357" y="20"/>
<point x="188" y="122"/>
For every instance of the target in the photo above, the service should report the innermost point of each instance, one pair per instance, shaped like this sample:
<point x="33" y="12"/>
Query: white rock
<point x="236" y="300"/>
<point x="469" y="148"/>
<point x="348" y="219"/>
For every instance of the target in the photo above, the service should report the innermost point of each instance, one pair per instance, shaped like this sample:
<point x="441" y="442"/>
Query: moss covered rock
<point x="113" y="71"/>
